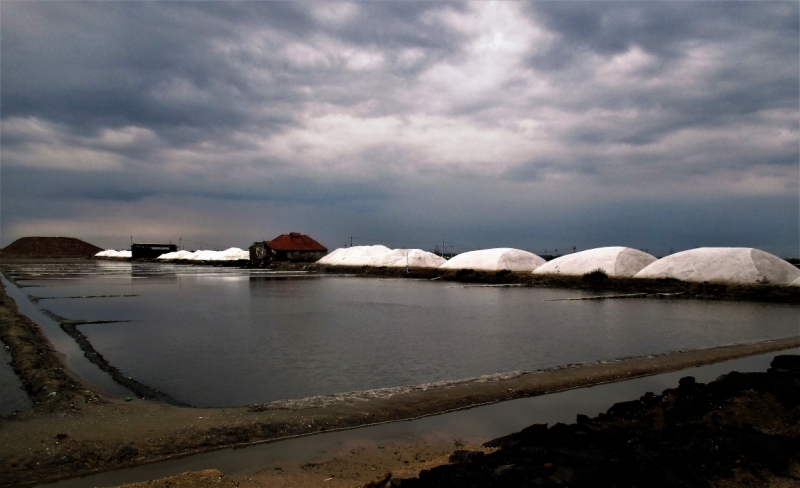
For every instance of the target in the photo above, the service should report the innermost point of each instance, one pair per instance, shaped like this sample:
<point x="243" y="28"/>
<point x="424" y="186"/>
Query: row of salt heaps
<point x="740" y="265"/>
<point x="232" y="254"/>
<point x="111" y="253"/>
<point x="726" y="265"/>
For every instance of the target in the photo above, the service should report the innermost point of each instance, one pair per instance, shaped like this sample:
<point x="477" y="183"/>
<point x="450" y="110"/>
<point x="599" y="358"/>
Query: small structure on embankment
<point x="291" y="247"/>
<point x="49" y="247"/>
<point x="151" y="251"/>
<point x="615" y="262"/>
<point x="495" y="260"/>
<point x="739" y="265"/>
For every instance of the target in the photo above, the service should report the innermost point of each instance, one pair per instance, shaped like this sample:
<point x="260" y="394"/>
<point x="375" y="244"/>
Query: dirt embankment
<point x="645" y="288"/>
<point x="73" y="431"/>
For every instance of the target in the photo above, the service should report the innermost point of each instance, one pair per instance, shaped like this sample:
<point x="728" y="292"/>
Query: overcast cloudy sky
<point x="536" y="125"/>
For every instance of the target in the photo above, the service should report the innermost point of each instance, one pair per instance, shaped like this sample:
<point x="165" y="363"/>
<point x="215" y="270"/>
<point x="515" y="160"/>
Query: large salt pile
<point x="111" y="253"/>
<point x="614" y="261"/>
<point x="232" y="254"/>
<point x="495" y="260"/>
<point x="356" y="256"/>
<point x="741" y="265"/>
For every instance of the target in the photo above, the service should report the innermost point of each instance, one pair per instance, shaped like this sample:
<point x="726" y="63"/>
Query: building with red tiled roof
<point x="293" y="246"/>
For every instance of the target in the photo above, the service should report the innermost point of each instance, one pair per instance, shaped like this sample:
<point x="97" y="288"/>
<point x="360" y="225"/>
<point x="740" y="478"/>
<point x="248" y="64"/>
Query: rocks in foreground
<point x="741" y="430"/>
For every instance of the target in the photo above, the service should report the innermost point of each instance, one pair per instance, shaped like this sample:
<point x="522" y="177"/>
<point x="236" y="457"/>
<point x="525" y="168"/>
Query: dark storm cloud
<point x="663" y="28"/>
<point x="105" y="63"/>
<point x="761" y="39"/>
<point x="491" y="122"/>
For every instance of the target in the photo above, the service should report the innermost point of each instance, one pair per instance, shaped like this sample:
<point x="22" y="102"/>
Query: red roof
<point x="295" y="241"/>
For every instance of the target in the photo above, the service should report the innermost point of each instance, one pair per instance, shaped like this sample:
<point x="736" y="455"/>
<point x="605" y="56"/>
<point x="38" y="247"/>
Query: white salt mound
<point x="614" y="261"/>
<point x="232" y="254"/>
<point x="357" y="256"/>
<point x="110" y="253"/>
<point x="495" y="260"/>
<point x="741" y="265"/>
<point x="417" y="258"/>
<point x="175" y="255"/>
<point x="377" y="256"/>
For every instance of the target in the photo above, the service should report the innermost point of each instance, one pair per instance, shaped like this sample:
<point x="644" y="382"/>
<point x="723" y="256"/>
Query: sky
<point x="536" y="125"/>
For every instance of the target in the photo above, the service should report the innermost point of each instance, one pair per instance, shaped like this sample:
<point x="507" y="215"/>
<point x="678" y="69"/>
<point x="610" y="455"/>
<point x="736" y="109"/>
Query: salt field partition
<point x="223" y="336"/>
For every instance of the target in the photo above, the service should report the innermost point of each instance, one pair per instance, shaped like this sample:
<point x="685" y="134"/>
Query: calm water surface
<point x="224" y="337"/>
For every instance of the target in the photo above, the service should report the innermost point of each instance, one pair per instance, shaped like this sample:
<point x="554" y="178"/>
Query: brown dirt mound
<point x="50" y="247"/>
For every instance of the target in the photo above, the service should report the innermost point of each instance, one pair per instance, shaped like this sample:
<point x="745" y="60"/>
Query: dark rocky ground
<point x="740" y="430"/>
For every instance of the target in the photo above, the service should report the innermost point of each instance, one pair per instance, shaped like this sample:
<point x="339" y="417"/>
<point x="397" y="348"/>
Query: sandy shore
<point x="76" y="431"/>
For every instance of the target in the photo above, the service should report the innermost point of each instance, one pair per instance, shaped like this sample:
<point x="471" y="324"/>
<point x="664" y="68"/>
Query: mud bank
<point x="72" y="431"/>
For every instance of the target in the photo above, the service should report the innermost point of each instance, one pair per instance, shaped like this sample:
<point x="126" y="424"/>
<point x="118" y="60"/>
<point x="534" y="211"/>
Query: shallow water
<point x="224" y="337"/>
<point x="12" y="395"/>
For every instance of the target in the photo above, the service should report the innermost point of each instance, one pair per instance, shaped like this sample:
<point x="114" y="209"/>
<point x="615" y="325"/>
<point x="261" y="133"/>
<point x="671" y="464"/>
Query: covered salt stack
<point x="615" y="262"/>
<point x="356" y="256"/>
<point x="495" y="260"/>
<point x="740" y="265"/>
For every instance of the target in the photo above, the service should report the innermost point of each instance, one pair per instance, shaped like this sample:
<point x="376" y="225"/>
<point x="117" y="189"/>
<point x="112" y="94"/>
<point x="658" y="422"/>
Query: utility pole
<point x="443" y="248"/>
<point x="574" y="249"/>
<point x="180" y="243"/>
<point x="351" y="241"/>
